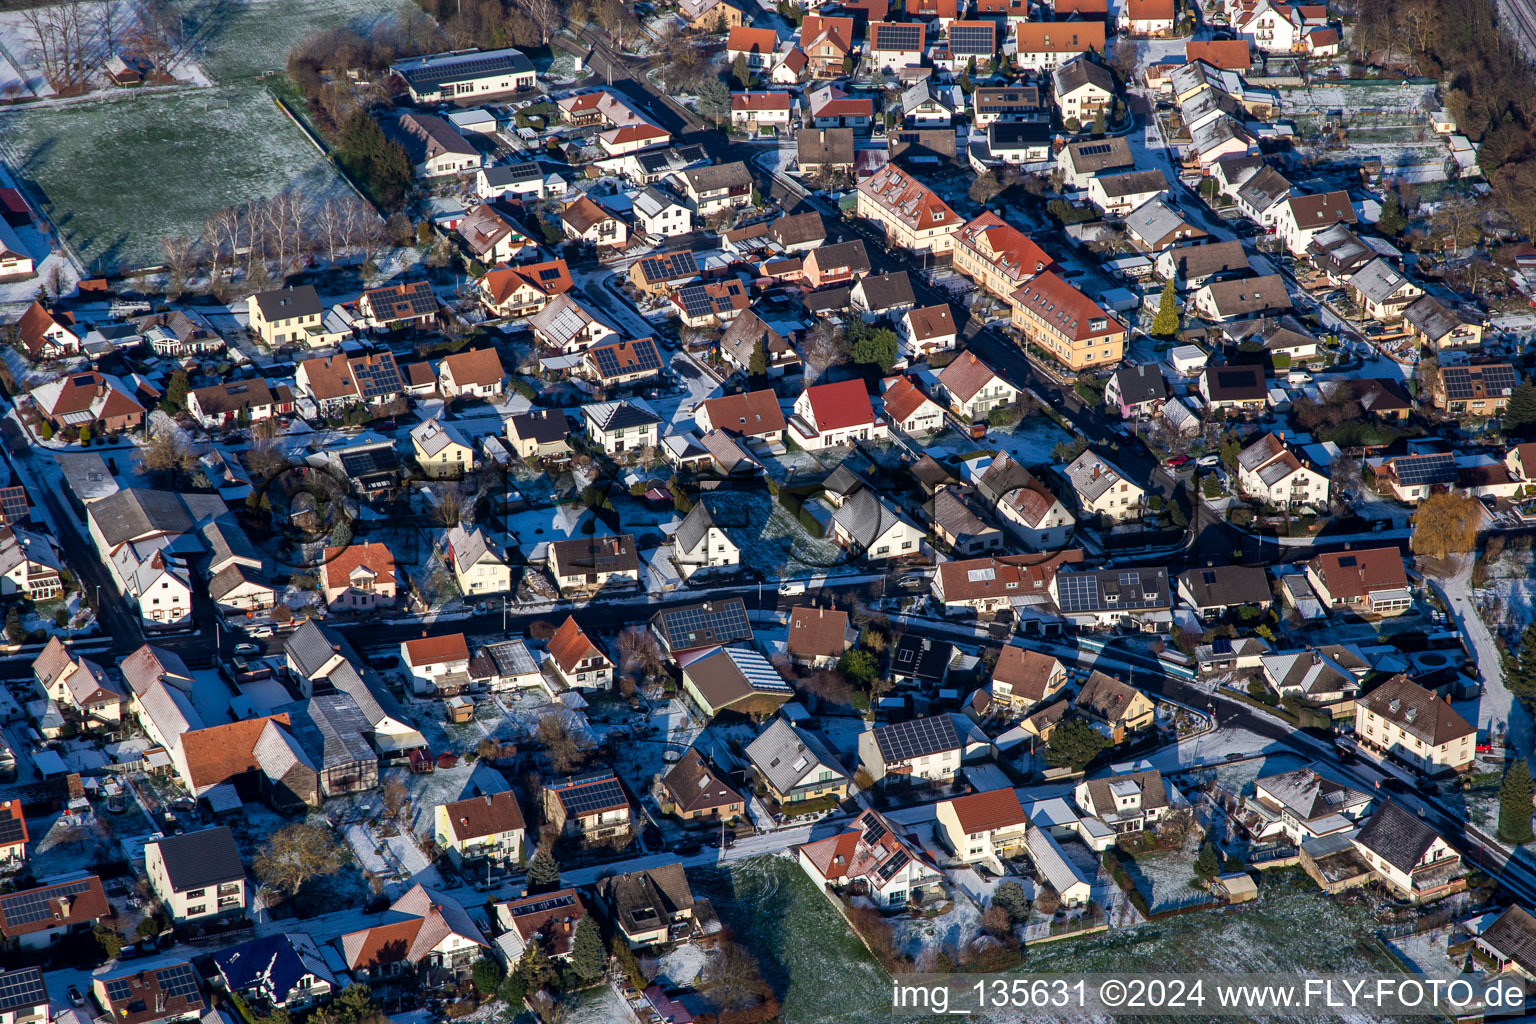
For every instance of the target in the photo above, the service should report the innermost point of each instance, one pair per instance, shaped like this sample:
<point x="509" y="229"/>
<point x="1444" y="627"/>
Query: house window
<point x="201" y="908"/>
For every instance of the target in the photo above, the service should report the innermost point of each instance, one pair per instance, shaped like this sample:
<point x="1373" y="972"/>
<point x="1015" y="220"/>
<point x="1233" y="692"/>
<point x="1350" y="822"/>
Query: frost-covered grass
<point x="820" y="970"/>
<point x="242" y="40"/>
<point x="117" y="175"/>
<point x="1164" y="876"/>
<point x="770" y="538"/>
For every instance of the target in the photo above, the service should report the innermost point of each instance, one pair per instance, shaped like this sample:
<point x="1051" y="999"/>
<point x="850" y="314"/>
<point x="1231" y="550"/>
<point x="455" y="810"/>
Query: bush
<point x="487" y="976"/>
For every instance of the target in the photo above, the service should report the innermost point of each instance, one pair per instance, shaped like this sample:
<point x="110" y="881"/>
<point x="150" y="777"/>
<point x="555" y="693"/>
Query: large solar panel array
<point x="370" y="460"/>
<point x="419" y="300"/>
<point x="1097" y="149"/>
<point x="14" y="506"/>
<point x="376" y="377"/>
<point x="898" y="36"/>
<point x="590" y="797"/>
<point x="22" y="988"/>
<point x="643" y="358"/>
<point x="525" y="170"/>
<point x="1425" y="469"/>
<point x="700" y="300"/>
<point x="1081" y="592"/>
<point x="1497" y="380"/>
<point x="458" y="69"/>
<point x="921" y="736"/>
<point x="875" y="831"/>
<point x="567" y="323"/>
<point x="37" y="904"/>
<point x="175" y="980"/>
<point x="668" y="265"/>
<point x="972" y="37"/>
<point x="722" y="622"/>
<point x="1078" y="592"/>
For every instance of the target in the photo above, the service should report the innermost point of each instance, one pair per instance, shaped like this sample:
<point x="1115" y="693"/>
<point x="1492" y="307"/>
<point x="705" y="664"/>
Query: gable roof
<point x="786" y="754"/>
<point x="200" y="859"/>
<point x="1396" y="836"/>
<point x="1417" y="711"/>
<point x="985" y="812"/>
<point x="219" y="753"/>
<point x="340" y="563"/>
<point x="838" y="405"/>
<point x="966" y="376"/>
<point x="918" y="737"/>
<point x="1105" y="696"/>
<point x="1355" y="574"/>
<point x="747" y="414"/>
<point x="817" y="632"/>
<point x="1028" y="673"/>
<point x="695" y="786"/>
<point x="570" y="646"/>
<point x="487" y="815"/>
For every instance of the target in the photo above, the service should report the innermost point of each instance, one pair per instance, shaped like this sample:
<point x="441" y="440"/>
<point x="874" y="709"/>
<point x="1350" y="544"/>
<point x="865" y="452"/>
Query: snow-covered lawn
<point x="118" y="174"/>
<point x="1164" y="876"/>
<point x="771" y="540"/>
<point x="238" y="41"/>
<point x="953" y="927"/>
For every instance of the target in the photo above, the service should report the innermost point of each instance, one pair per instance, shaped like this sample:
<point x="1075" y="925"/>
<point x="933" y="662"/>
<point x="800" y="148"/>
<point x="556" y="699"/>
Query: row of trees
<point x="267" y="238"/>
<point x="70" y="40"/>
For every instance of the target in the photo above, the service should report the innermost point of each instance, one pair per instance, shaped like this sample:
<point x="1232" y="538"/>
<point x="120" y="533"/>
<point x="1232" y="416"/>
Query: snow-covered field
<point x="235" y="41"/>
<point x="117" y="174"/>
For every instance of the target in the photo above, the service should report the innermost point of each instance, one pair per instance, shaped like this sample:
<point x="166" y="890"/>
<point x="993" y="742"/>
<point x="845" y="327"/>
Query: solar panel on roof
<point x="549" y="274"/>
<point x="37" y="904"/>
<point x="22" y="988"/>
<point x="540" y="906"/>
<point x="875" y="832"/>
<point x="1425" y="469"/>
<point x="592" y="796"/>
<point x="119" y="989"/>
<point x="11" y="830"/>
<point x="1078" y="592"/>
<point x="905" y="740"/>
<point x="890" y="36"/>
<point x="888" y="870"/>
<point x="718" y="624"/>
<point x="972" y="39"/>
<point x="178" y="980"/>
<point x="1097" y="149"/>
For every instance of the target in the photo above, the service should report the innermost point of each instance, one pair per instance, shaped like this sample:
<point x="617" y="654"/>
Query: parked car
<point x="247" y="648"/>
<point x="1176" y="461"/>
<point x="75" y="998"/>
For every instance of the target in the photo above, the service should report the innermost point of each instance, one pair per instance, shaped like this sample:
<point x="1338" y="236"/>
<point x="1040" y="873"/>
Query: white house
<point x="437" y="664"/>
<point x="1299" y="219"/>
<point x="872" y="527"/>
<point x="700" y="543"/>
<point x="974" y="389"/>
<point x="1267" y="470"/>
<point x="983" y="827"/>
<point x="488" y="827"/>
<point x="828" y="415"/>
<point x="479" y="566"/>
<point x="197" y="875"/>
<point x="1127" y="803"/>
<point x="878" y="855"/>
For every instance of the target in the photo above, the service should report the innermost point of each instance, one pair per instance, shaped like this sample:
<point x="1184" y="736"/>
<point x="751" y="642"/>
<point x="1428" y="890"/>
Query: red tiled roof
<point x="966" y="376"/>
<point x="756" y="412"/>
<point x="570" y="646"/>
<point x="1354" y="574"/>
<point x="481" y="366"/>
<point x="751" y="101"/>
<point x="339" y="563"/>
<point x="844" y="404"/>
<point x="221" y="752"/>
<point x="1055" y="301"/>
<point x="1227" y="54"/>
<point x="487" y="815"/>
<point x="63" y="911"/>
<point x="751" y="40"/>
<point x="818" y="632"/>
<point x="983" y="812"/>
<point x="902" y="399"/>
<point x="434" y="650"/>
<point x="12" y="809"/>
<point x="1060" y="36"/>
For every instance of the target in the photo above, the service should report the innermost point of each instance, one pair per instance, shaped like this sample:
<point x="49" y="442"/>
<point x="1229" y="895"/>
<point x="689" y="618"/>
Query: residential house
<point x="650" y="906"/>
<point x="875" y="857"/>
<point x="586" y="222"/>
<point x="239" y="403"/>
<point x="1480" y="390"/>
<point x="927" y="331"/>
<point x="1413" y="478"/>
<point x="873" y="528"/>
<point x="927" y="749"/>
<point x="1403" y="722"/>
<point x="1031" y="514"/>
<point x="476" y="373"/>
<point x="756" y="45"/>
<point x="539" y="433"/>
<point x="798" y="232"/>
<point x="660" y="213"/>
<point x="1080" y="162"/>
<point x="1129" y="803"/>
<point x="1409" y="856"/>
<point x="569" y="326"/>
<point x="432" y="144"/>
<point x="13" y="854"/>
<point x="441" y="450"/>
<point x="827" y="43"/>
<point x="482" y="828"/>
<point x="1136" y="391"/>
<point x="1440" y="327"/>
<point x="159" y="994"/>
<point x="1382" y="291"/>
<point x="1102" y="489"/>
<point x="425" y="933"/>
<point x="360" y="577"/>
<point x="406" y="306"/>
<point x="521" y="180"/>
<point x="1508" y="942"/>
<point x="1083" y="90"/>
<point x="757" y="111"/>
<point x="622" y="362"/>
<point x="996" y="255"/>
<point x="1269" y="471"/>
<point x="988" y="585"/>
<point x="710" y="304"/>
<point x="1046" y="45"/>
<point x="818" y="637"/>
<point x="80" y="685"/>
<point x="197" y="875"/>
<point x="891" y="46"/>
<point x="923" y="105"/>
<point x="491" y="235"/>
<point x="1302" y="218"/>
<point x="1068" y="325"/>
<point x="282" y="971"/>
<point x="1216" y="589"/>
<point x="592" y="805"/>
<point x="694" y="791"/>
<point x="753" y="415"/>
<point x="983" y="827"/>
<point x="1242" y="298"/>
<point x="285" y="315"/>
<point x="578" y="662"/>
<point x="795" y="765"/>
<point x="717" y="187"/>
<point x="912" y="216"/>
<point x="884" y="296"/>
<point x="1152" y="18"/>
<point x="715" y="16"/>
<point x="1239" y="389"/>
<point x="89" y="401"/>
<point x="1193" y="266"/>
<point x="909" y="410"/>
<point x="1302" y="805"/>
<point x="1365" y="580"/>
<point x="619" y="427"/>
<point x="336" y="383"/>
<point x="663" y="272"/>
<point x="70" y="906"/>
<point x="973" y="389"/>
<point x="830" y="108"/>
<point x="1121" y="708"/>
<point x="1019" y="102"/>
<point x="828" y="415"/>
<point x="1327" y="677"/>
<point x="839" y="263"/>
<point x="582" y="567"/>
<point x="700" y="543"/>
<point x="48" y="334"/>
<point x="547" y="920"/>
<point x="436" y="664"/>
<point x="1023" y="680"/>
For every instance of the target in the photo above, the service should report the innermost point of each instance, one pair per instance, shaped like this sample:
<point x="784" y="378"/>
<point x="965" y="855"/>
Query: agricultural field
<point x="116" y="176"/>
<point x="234" y="41"/>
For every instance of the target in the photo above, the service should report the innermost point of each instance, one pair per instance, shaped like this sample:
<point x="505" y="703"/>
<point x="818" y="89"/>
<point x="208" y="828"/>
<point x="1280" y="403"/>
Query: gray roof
<point x="1378" y="280"/>
<point x="717" y="176"/>
<point x="844" y="481"/>
<point x="1309" y="794"/>
<point x="137" y="512"/>
<point x="1140" y="383"/>
<point x="867" y="517"/>
<point x="922" y="92"/>
<point x="433" y="435"/>
<point x="427" y="74"/>
<point x="655" y="199"/>
<point x="200" y="859"/>
<point x="87" y="475"/>
<point x="1154" y="220"/>
<point x="149" y="664"/>
<point x="957" y="513"/>
<point x="1266" y="188"/>
<point x="785" y="755"/>
<point x="286" y="303"/>
<point x="747" y="330"/>
<point x="1396" y="836"/>
<point x="510" y="174"/>
<point x="1249" y="296"/>
<point x="311" y="645"/>
<point x="227" y="541"/>
<point x="1432" y="317"/>
<point x="278" y="753"/>
<point x="1198" y="261"/>
<point x="331" y="729"/>
<point x="1080" y="72"/>
<point x="1226" y="585"/>
<point x="615" y="415"/>
<point x="1091" y="475"/>
<point x="887" y="291"/>
<point x="1130" y="183"/>
<point x="469" y="546"/>
<point x="1054" y="864"/>
<point x="1093" y="155"/>
<point x="693" y="527"/>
